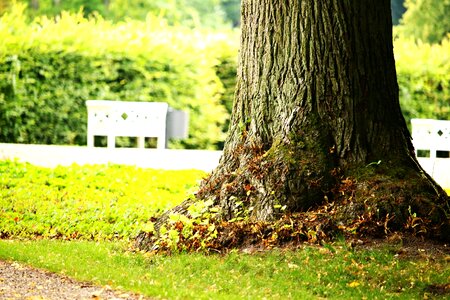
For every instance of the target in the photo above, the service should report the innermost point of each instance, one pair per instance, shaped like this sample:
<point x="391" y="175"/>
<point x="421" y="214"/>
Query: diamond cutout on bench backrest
<point x="124" y="116"/>
<point x="440" y="132"/>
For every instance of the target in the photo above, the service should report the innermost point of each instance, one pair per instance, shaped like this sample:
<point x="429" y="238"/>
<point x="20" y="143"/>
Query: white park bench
<point x="433" y="136"/>
<point x="430" y="135"/>
<point x="125" y="118"/>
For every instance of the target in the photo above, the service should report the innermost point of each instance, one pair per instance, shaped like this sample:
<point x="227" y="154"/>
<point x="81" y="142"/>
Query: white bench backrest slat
<point x="432" y="135"/>
<point x="124" y="118"/>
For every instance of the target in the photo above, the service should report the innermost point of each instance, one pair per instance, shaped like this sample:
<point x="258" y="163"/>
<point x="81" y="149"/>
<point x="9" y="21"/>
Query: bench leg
<point x="90" y="140"/>
<point x="433" y="153"/>
<point x="141" y="142"/>
<point x="161" y="142"/>
<point x="111" y="141"/>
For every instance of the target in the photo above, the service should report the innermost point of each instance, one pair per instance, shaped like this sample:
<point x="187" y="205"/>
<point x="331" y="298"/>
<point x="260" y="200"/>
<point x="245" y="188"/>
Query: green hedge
<point x="48" y="69"/>
<point x="423" y="72"/>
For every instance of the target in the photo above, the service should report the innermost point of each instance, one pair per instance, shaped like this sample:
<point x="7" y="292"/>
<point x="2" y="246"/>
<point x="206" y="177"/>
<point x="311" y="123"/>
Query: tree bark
<point x="317" y="118"/>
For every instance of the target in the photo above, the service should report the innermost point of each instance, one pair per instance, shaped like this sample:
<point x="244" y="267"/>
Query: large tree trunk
<point x="316" y="101"/>
<point x="317" y="117"/>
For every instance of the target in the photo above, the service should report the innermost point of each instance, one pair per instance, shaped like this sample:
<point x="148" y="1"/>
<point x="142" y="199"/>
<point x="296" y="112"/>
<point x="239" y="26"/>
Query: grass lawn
<point x="333" y="271"/>
<point x="79" y="221"/>
<point x="100" y="202"/>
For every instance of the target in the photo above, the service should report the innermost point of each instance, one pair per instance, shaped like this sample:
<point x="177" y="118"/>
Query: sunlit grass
<point x="106" y="203"/>
<point x="86" y="202"/>
<point x="334" y="271"/>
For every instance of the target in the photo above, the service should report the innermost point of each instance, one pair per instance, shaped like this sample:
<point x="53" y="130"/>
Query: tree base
<point x="323" y="225"/>
<point x="377" y="206"/>
<point x="258" y="204"/>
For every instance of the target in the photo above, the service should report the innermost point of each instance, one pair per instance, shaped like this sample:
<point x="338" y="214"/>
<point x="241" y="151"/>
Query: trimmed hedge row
<point x="423" y="72"/>
<point x="48" y="69"/>
<point x="44" y="94"/>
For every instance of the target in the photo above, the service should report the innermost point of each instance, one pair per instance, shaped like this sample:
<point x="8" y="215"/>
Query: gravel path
<point x="19" y="281"/>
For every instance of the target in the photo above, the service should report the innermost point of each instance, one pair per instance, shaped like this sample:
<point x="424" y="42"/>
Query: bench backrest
<point x="432" y="135"/>
<point x="126" y="118"/>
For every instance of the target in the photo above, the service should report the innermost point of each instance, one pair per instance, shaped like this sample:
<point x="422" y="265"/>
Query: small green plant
<point x="191" y="232"/>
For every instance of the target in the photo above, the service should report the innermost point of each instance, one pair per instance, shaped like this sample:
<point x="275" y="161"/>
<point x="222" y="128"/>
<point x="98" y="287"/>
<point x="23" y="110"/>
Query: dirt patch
<point x="18" y="281"/>
<point x="438" y="289"/>
<point x="407" y="246"/>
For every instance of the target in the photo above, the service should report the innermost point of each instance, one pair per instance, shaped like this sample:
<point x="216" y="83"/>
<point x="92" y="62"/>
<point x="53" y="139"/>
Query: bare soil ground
<point x="18" y="281"/>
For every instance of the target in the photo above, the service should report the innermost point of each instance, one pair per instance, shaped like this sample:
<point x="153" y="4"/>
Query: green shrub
<point x="48" y="69"/>
<point x="423" y="72"/>
<point x="226" y="71"/>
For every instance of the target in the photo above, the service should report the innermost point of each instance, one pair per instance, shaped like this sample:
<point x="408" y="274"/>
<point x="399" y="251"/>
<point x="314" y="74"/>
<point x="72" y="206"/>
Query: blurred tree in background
<point x="426" y="20"/>
<point x="190" y="13"/>
<point x="193" y="13"/>
<point x="54" y="7"/>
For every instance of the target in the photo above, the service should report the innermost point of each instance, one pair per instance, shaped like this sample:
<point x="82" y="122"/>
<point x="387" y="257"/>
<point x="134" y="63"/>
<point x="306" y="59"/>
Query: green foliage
<point x="193" y="13"/>
<point x="89" y="202"/>
<point x="423" y="73"/>
<point x="333" y="271"/>
<point x="226" y="71"/>
<point x="4" y="6"/>
<point x="48" y="69"/>
<point x="426" y="20"/>
<point x="53" y="8"/>
<point x="193" y="232"/>
<point x="189" y="13"/>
